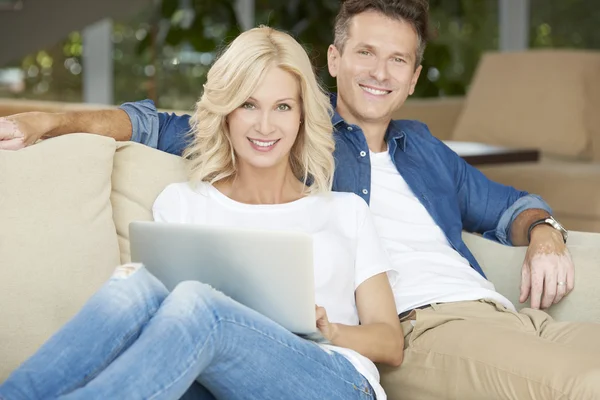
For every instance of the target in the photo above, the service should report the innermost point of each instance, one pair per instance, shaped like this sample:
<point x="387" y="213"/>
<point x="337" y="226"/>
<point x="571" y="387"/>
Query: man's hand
<point x="22" y="130"/>
<point x="327" y="329"/>
<point x="548" y="272"/>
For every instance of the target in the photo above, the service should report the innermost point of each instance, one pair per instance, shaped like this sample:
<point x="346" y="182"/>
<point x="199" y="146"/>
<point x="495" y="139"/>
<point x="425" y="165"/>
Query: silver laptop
<point x="270" y="272"/>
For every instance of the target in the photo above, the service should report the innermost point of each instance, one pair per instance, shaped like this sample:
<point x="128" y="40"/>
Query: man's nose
<point x="380" y="70"/>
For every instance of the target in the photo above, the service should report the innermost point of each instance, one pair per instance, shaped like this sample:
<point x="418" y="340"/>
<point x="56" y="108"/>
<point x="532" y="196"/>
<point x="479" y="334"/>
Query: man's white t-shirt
<point x="430" y="270"/>
<point x="346" y="248"/>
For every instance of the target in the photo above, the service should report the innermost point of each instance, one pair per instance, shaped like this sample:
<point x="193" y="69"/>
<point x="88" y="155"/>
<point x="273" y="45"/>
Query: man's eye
<point x="363" y="53"/>
<point x="283" y="107"/>
<point x="399" y="60"/>
<point x="248" y="106"/>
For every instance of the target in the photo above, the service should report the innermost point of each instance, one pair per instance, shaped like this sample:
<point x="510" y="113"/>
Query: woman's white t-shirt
<point x="346" y="248"/>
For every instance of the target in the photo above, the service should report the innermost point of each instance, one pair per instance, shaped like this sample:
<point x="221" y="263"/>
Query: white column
<point x="245" y="13"/>
<point x="98" y="63"/>
<point x="514" y="25"/>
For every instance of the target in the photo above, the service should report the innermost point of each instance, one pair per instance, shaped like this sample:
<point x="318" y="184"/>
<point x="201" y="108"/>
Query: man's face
<point x="376" y="70"/>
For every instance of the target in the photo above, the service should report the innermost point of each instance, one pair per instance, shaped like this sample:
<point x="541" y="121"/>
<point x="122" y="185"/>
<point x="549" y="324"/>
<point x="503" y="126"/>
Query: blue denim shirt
<point x="457" y="196"/>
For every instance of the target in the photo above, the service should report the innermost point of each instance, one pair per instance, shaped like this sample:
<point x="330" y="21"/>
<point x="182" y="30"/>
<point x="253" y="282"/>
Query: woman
<point x="262" y="131"/>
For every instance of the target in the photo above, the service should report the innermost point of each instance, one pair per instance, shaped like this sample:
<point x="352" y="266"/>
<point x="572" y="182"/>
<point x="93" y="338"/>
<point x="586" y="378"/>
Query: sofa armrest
<point x="440" y="114"/>
<point x="502" y="265"/>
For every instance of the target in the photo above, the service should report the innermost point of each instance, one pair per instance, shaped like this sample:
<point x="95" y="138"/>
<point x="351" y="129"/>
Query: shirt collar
<point x="337" y="118"/>
<point x="396" y="134"/>
<point x="394" y="131"/>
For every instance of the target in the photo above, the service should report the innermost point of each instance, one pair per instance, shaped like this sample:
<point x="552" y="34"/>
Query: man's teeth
<point x="263" y="144"/>
<point x="375" y="91"/>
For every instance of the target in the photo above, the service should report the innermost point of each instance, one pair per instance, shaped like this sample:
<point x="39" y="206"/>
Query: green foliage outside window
<point x="164" y="53"/>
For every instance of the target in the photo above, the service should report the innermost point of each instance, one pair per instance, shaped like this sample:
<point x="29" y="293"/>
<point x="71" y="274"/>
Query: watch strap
<point x="540" y="222"/>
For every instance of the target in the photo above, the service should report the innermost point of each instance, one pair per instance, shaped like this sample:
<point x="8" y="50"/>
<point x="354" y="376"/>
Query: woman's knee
<point x="197" y="297"/>
<point x="197" y="291"/>
<point x="126" y="270"/>
<point x="134" y="285"/>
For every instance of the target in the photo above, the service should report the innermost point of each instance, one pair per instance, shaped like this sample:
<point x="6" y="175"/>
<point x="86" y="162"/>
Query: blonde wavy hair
<point x="231" y="80"/>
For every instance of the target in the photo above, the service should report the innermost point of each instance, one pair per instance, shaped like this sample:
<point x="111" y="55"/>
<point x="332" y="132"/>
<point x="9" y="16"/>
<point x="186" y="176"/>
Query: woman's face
<point x="264" y="128"/>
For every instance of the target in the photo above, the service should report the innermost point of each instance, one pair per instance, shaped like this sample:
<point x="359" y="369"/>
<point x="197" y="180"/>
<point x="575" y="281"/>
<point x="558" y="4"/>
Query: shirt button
<point x="363" y="153"/>
<point x="349" y="128"/>
<point x="365" y="191"/>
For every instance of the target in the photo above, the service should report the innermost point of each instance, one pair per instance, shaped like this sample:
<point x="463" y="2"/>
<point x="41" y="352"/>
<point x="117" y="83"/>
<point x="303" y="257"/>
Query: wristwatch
<point x="548" y="221"/>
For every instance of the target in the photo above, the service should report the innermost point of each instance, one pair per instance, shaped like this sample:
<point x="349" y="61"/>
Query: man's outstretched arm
<point x="138" y="121"/>
<point x="21" y="130"/>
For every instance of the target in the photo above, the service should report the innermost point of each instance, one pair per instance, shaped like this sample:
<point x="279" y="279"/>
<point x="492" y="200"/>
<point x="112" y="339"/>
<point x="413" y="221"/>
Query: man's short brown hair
<point x="414" y="12"/>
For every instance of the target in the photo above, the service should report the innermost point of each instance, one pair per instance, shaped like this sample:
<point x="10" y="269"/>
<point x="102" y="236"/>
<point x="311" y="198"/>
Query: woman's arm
<point x="380" y="336"/>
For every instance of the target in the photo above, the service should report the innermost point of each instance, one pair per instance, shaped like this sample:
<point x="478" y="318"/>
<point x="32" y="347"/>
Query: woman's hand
<point x="327" y="329"/>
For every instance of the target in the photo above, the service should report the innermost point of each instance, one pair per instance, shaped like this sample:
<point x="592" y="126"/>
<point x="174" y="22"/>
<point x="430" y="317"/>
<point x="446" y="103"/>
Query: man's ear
<point x="414" y="79"/>
<point x="333" y="60"/>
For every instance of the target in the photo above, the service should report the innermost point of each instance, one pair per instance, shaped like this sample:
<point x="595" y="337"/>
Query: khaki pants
<point x="480" y="350"/>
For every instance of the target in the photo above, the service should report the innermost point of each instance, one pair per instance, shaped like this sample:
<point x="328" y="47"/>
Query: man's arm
<point x="21" y="130"/>
<point x="505" y="214"/>
<point x="520" y="226"/>
<point x="491" y="208"/>
<point x="138" y="121"/>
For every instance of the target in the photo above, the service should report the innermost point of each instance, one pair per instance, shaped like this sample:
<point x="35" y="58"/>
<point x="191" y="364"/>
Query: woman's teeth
<point x="263" y="144"/>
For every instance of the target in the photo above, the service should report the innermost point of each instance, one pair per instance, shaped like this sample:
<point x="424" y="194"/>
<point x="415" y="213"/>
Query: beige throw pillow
<point x="57" y="238"/>
<point x="140" y="174"/>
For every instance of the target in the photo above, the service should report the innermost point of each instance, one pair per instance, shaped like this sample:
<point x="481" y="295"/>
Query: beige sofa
<point x="65" y="206"/>
<point x="548" y="100"/>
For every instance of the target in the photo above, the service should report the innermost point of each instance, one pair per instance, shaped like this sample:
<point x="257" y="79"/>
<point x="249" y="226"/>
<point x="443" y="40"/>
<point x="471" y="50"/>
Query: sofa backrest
<point x="17" y="106"/>
<point x="544" y="99"/>
<point x="440" y="114"/>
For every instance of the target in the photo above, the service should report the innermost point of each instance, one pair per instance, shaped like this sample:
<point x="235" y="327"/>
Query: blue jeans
<point x="134" y="340"/>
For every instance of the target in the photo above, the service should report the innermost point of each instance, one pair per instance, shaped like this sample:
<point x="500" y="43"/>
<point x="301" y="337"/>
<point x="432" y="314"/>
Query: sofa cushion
<point x="571" y="188"/>
<point x="140" y="174"/>
<point x="57" y="237"/>
<point x="541" y="99"/>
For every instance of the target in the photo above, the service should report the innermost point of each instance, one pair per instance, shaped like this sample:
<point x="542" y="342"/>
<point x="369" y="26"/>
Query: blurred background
<point x="117" y="51"/>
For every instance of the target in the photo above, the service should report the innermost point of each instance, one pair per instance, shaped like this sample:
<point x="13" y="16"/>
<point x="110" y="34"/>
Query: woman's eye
<point x="283" y="107"/>
<point x="248" y="106"/>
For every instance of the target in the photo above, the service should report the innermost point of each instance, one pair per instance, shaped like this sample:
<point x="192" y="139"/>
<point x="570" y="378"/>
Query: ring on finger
<point x="561" y="283"/>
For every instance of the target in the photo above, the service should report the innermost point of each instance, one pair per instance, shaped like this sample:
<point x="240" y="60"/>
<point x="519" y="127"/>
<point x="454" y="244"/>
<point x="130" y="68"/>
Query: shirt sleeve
<point x="162" y="131"/>
<point x="371" y="258"/>
<point x="168" y="206"/>
<point x="502" y="232"/>
<point x="488" y="207"/>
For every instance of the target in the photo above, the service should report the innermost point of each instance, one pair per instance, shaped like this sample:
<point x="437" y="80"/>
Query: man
<point x="463" y="339"/>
